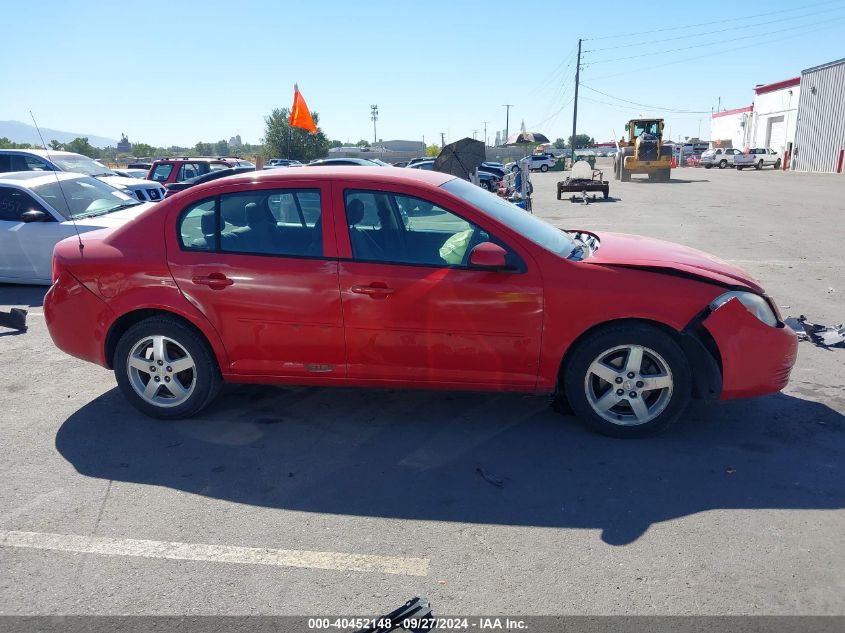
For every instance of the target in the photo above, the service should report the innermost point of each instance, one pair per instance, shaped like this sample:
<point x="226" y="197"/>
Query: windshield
<point x="649" y="127"/>
<point x="539" y="231"/>
<point x="82" y="165"/>
<point x="83" y="197"/>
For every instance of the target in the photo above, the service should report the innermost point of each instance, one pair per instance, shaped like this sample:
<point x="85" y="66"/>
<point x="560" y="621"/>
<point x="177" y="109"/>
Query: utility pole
<point x="474" y="134"/>
<point x="374" y="117"/>
<point x="507" y="107"/>
<point x="485" y="133"/>
<point x="442" y="140"/>
<point x="575" y="101"/>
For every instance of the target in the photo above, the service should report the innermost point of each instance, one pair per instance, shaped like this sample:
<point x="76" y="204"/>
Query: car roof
<point x="379" y="175"/>
<point x="34" y="178"/>
<point x="40" y="152"/>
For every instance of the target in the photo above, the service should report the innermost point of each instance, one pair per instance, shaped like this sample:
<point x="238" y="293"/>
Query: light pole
<point x="374" y="117"/>
<point x="507" y="107"/>
<point x="485" y="133"/>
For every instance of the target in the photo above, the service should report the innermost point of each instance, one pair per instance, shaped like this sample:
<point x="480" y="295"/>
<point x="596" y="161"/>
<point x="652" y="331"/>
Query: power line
<point x="706" y="55"/>
<point x="730" y="39"/>
<point x="645" y="105"/>
<point x="651" y="42"/>
<point x="691" y="26"/>
<point x="627" y="110"/>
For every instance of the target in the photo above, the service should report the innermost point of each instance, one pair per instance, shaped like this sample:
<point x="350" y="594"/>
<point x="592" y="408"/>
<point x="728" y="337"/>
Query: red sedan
<point x="407" y="278"/>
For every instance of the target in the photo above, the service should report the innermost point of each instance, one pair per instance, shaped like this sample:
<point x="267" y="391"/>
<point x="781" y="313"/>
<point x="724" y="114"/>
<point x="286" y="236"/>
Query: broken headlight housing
<point x="756" y="305"/>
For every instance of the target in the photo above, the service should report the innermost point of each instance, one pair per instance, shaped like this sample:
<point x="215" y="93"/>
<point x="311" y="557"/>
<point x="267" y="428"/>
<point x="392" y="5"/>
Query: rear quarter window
<point x="161" y="172"/>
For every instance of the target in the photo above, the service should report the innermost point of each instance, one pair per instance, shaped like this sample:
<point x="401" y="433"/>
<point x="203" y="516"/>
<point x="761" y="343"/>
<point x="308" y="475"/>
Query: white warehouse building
<point x="775" y="115"/>
<point x="727" y="128"/>
<point x="769" y="122"/>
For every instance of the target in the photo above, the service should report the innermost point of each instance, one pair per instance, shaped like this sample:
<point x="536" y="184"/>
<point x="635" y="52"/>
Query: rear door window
<point x="162" y="172"/>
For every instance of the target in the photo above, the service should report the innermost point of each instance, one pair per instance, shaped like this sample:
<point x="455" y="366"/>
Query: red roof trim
<point x="779" y="85"/>
<point x="734" y="111"/>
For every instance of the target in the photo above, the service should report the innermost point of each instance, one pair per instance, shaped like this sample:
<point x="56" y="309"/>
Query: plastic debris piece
<point x="730" y="471"/>
<point x="821" y="335"/>
<point x="14" y="319"/>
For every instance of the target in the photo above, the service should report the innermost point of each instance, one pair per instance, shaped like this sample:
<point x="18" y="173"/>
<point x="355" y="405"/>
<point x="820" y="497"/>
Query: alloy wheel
<point x="161" y="371"/>
<point x="629" y="385"/>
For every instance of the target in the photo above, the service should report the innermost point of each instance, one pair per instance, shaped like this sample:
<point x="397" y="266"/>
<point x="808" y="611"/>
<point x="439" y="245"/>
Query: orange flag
<point x="299" y="114"/>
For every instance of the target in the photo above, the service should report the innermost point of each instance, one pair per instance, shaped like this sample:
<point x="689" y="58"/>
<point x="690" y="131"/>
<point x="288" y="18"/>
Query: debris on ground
<point x="730" y="471"/>
<point x="822" y="335"/>
<point x="490" y="479"/>
<point x="14" y="319"/>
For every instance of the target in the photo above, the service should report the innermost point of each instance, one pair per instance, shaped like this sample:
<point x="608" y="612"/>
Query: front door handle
<point x="215" y="281"/>
<point x="376" y="289"/>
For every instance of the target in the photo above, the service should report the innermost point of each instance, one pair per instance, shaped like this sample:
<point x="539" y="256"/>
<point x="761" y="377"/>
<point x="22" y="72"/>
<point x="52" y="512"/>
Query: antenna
<point x="59" y="182"/>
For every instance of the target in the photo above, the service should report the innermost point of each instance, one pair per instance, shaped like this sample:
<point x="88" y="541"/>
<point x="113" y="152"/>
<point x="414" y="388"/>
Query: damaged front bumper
<point x="755" y="358"/>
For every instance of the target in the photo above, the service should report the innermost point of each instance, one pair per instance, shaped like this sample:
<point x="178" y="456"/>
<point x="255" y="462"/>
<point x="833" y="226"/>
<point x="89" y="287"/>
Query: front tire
<point x="628" y="380"/>
<point x="723" y="163"/>
<point x="759" y="166"/>
<point x="777" y="164"/>
<point x="165" y="369"/>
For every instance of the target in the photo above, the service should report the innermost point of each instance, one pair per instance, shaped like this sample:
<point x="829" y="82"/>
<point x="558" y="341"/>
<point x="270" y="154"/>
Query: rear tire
<point x="165" y="369"/>
<point x="640" y="356"/>
<point x="544" y="168"/>
<point x="759" y="166"/>
<point x="739" y="167"/>
<point x="624" y="174"/>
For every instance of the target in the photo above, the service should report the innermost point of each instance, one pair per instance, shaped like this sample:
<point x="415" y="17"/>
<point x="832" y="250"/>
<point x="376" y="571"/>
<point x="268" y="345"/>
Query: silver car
<point x="719" y="157"/>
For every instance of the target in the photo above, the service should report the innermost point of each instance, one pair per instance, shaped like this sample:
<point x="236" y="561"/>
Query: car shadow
<point x="481" y="458"/>
<point x="19" y="295"/>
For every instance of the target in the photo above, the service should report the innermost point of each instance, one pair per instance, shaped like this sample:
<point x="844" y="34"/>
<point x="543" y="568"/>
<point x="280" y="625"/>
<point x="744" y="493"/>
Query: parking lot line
<point x="106" y="546"/>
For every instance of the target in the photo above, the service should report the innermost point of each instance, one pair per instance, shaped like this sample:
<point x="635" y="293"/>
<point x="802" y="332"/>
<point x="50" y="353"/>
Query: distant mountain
<point x="23" y="133"/>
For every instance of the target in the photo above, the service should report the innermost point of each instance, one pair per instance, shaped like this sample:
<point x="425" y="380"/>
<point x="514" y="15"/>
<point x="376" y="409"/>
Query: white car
<point x="758" y="157"/>
<point x="36" y="211"/>
<point x="719" y="157"/>
<point x="542" y="162"/>
<point x="42" y="160"/>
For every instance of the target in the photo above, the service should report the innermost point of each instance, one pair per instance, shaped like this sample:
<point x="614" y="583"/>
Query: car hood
<point x="123" y="182"/>
<point x="112" y="220"/>
<point x="634" y="251"/>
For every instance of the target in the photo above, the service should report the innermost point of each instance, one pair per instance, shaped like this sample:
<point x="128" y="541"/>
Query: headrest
<point x="207" y="223"/>
<point x="255" y="215"/>
<point x="354" y="212"/>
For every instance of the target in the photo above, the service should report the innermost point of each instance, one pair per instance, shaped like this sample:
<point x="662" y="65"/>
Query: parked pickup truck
<point x="758" y="158"/>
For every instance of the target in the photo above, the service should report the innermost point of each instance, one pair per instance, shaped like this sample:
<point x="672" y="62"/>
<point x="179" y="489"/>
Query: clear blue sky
<point x="178" y="72"/>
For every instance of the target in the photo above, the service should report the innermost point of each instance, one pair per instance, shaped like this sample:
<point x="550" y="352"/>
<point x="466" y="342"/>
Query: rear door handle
<point x="215" y="281"/>
<point x="375" y="289"/>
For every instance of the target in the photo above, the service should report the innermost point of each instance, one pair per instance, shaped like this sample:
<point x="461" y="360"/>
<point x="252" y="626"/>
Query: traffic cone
<point x="674" y="162"/>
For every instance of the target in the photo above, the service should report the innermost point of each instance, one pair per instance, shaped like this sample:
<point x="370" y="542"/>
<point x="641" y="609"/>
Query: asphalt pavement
<point x="339" y="501"/>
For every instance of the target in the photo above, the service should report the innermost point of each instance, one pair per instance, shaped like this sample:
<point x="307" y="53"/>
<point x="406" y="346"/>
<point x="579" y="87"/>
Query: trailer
<point x="583" y="180"/>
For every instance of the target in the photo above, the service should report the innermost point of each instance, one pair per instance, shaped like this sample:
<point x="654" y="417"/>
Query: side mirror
<point x="488" y="255"/>
<point x="34" y="215"/>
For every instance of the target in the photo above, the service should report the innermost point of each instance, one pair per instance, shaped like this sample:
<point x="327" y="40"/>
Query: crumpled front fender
<point x="756" y="358"/>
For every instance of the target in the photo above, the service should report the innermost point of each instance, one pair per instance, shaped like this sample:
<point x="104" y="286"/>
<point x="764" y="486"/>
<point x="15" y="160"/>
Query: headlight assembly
<point x="755" y="304"/>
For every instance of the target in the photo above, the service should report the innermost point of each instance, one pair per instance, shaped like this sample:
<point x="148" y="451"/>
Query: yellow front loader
<point x="643" y="152"/>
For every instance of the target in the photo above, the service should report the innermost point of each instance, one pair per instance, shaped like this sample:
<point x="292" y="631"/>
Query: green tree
<point x="362" y="143"/>
<point x="142" y="149"/>
<point x="432" y="150"/>
<point x="582" y="141"/>
<point x="221" y="148"/>
<point x="336" y="143"/>
<point x="560" y="143"/>
<point x="281" y="140"/>
<point x="80" y="145"/>
<point x="6" y="143"/>
<point x="204" y="149"/>
<point x="55" y="145"/>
